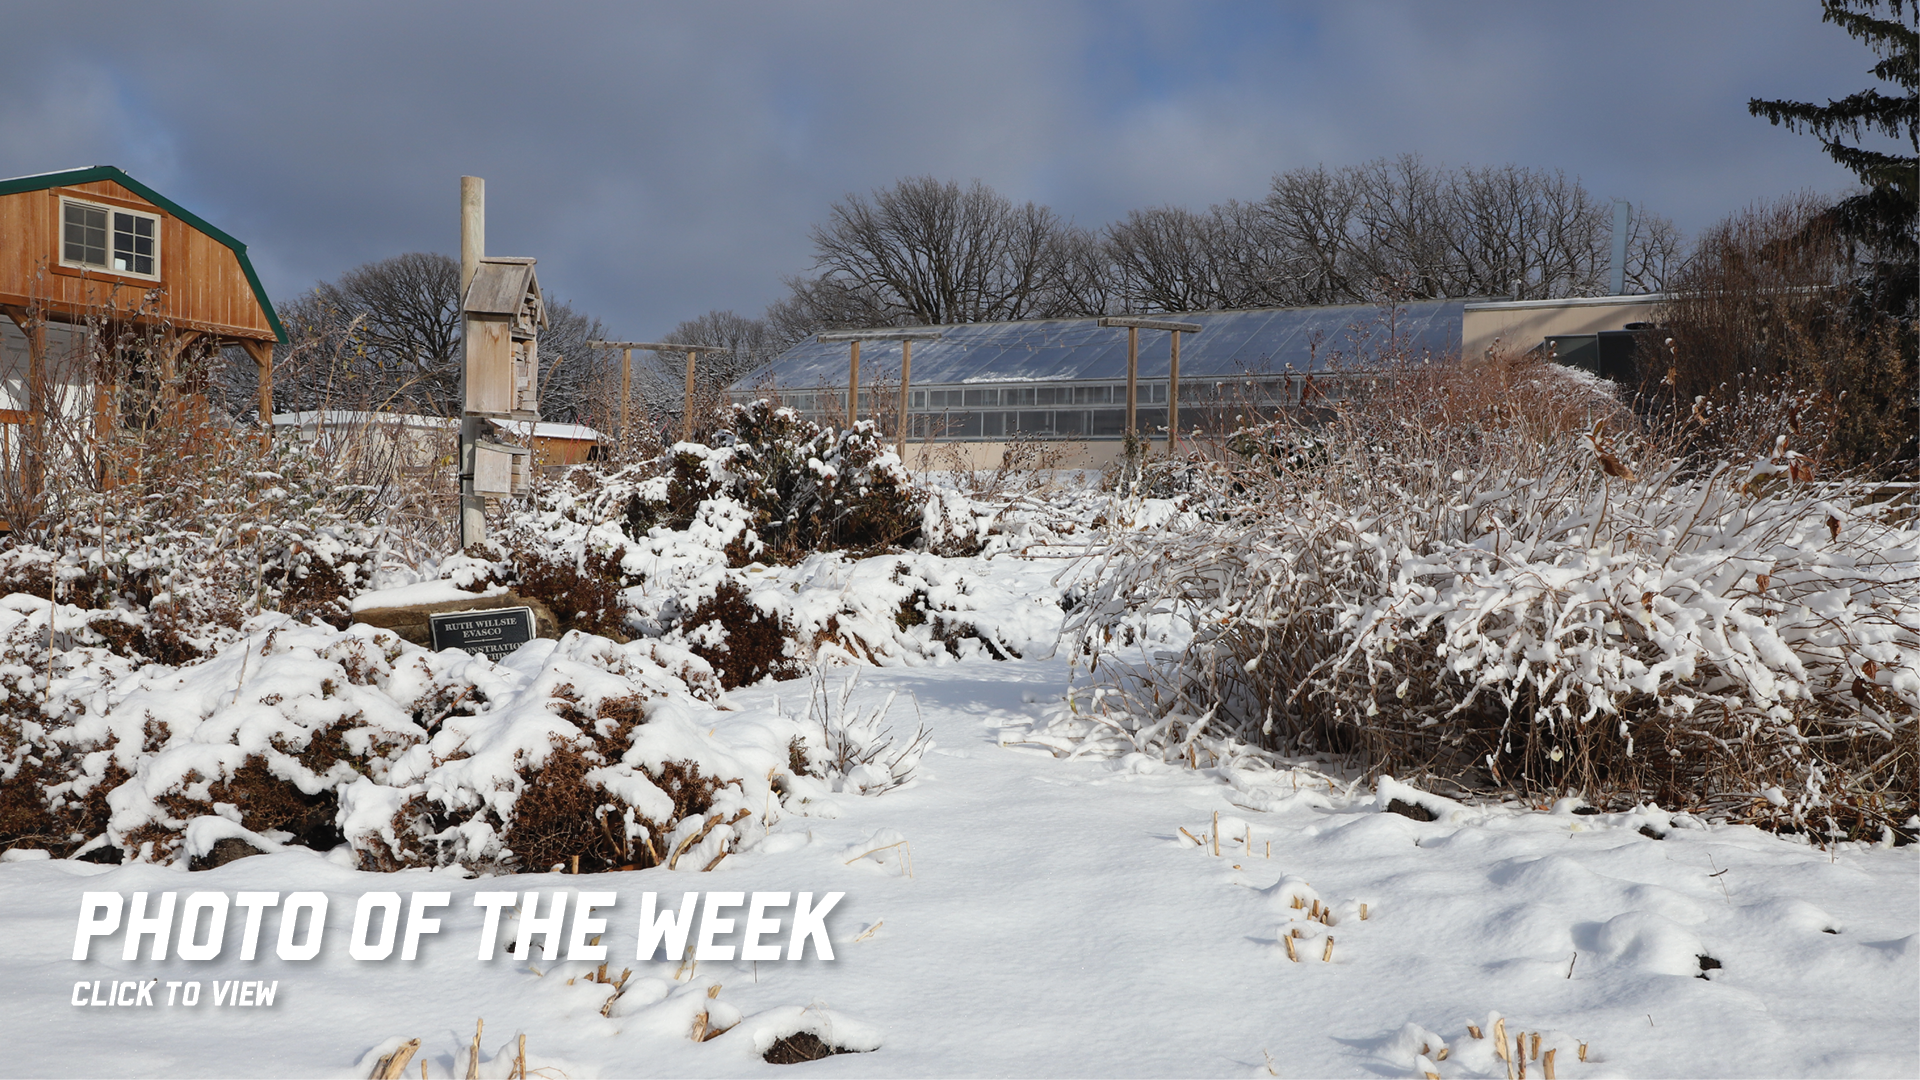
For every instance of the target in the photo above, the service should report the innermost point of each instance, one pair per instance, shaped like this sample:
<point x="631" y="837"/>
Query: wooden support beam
<point x="659" y="346"/>
<point x="831" y="336"/>
<point x="262" y="354"/>
<point x="626" y="376"/>
<point x="172" y="348"/>
<point x="1173" y="396"/>
<point x="906" y="338"/>
<point x="686" y="409"/>
<point x="853" y="382"/>
<point x="1136" y="323"/>
<point x="906" y="379"/>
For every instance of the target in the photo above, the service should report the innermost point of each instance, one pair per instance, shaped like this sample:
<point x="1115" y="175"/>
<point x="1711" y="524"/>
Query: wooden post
<point x="473" y="229"/>
<point x="906" y="376"/>
<point x="1133" y="372"/>
<point x="1134" y="325"/>
<point x="262" y="354"/>
<point x="1173" y="396"/>
<point x="626" y="378"/>
<point x="906" y="338"/>
<point x="686" y="420"/>
<point x="853" y="382"/>
<point x="626" y="400"/>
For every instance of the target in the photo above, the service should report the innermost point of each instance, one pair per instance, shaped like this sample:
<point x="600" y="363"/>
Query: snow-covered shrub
<point x="758" y="554"/>
<point x="803" y="488"/>
<point x="1471" y="586"/>
<point x="237" y="526"/>
<point x="857" y="751"/>
<point x="291" y="734"/>
<point x="743" y="642"/>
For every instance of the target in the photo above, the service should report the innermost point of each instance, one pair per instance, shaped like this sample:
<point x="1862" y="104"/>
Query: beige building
<point x="1521" y="325"/>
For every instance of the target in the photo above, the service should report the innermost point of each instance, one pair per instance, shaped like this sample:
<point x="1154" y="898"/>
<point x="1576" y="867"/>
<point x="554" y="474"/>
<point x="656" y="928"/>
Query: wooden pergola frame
<point x="906" y="338"/>
<point x="626" y="377"/>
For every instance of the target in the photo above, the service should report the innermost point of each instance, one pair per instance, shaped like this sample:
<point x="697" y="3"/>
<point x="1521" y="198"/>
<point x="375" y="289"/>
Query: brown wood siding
<point x="548" y="451"/>
<point x="202" y="284"/>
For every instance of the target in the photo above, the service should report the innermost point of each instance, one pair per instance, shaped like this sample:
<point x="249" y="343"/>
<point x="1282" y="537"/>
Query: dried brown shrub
<point x="1480" y="463"/>
<point x="555" y="816"/>
<point x="1771" y="310"/>
<point x="268" y="802"/>
<point x="584" y="596"/>
<point x="755" y="644"/>
<point x="801" y="1046"/>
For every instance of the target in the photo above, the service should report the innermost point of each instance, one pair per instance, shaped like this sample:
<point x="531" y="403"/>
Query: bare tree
<point x="390" y="331"/>
<point x="1170" y="259"/>
<point x="1310" y="225"/>
<point x="1402" y="228"/>
<point x="750" y="343"/>
<point x="928" y="252"/>
<point x="572" y="376"/>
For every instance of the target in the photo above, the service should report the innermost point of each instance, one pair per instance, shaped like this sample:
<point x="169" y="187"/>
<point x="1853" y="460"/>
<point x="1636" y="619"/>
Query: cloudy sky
<point x="665" y="160"/>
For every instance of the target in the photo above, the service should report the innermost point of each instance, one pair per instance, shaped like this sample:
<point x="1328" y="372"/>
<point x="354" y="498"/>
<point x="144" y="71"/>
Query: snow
<point x="1016" y="900"/>
<point x="1056" y="920"/>
<point x="420" y="592"/>
<point x="545" y="430"/>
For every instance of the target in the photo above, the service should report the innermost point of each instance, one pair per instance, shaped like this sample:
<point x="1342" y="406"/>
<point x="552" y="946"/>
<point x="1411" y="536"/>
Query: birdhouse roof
<point x="509" y="287"/>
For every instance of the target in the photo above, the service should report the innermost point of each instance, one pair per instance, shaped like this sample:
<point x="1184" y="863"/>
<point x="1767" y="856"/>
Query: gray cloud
<point x="665" y="160"/>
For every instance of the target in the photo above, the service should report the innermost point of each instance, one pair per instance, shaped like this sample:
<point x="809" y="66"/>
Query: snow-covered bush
<point x="803" y="488"/>
<point x="856" y="750"/>
<point x="232" y="527"/>
<point x="1480" y="586"/>
<point x="299" y="734"/>
<point x="759" y="554"/>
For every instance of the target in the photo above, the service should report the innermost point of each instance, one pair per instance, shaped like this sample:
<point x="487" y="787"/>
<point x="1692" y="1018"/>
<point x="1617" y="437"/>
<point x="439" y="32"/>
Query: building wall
<point x="1520" y="325"/>
<point x="202" y="286"/>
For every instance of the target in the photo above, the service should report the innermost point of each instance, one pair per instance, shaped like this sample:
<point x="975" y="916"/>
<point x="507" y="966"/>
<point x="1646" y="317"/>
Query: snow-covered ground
<point x="1057" y="921"/>
<point x="1017" y="910"/>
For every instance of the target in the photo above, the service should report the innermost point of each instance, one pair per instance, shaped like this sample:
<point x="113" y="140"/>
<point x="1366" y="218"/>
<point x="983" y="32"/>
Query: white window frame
<point x="108" y="268"/>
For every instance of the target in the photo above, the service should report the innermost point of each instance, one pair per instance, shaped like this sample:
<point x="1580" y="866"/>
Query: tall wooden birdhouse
<point x="504" y="316"/>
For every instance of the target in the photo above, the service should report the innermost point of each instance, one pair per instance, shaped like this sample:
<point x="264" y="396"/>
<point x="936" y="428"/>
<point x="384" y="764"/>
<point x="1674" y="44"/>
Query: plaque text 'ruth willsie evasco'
<point x="493" y="633"/>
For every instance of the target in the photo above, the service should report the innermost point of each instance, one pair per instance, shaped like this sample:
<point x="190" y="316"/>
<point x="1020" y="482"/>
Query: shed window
<point x="108" y="238"/>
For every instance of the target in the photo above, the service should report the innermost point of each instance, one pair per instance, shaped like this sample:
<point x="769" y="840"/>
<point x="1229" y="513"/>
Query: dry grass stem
<point x="394" y="1066"/>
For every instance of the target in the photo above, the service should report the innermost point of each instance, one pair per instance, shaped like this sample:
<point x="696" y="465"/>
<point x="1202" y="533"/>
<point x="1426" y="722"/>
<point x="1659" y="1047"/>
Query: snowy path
<point x="1057" y="923"/>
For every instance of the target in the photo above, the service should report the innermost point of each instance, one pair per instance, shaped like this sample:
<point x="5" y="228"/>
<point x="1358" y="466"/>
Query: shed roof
<point x="1048" y="350"/>
<point x="546" y="430"/>
<point x="342" y="418"/>
<point x="68" y="177"/>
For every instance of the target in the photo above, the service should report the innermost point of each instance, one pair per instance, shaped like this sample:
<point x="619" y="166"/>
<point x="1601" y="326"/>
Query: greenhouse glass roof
<point x="1230" y="343"/>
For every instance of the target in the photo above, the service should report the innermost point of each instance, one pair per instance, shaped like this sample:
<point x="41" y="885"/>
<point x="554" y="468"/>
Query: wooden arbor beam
<point x="626" y="377"/>
<point x="262" y="354"/>
<point x="1134" y="325"/>
<point x="906" y="338"/>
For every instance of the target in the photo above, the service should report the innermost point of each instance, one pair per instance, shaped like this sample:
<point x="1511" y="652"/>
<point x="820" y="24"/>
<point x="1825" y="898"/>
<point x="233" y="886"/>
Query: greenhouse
<point x="1067" y="378"/>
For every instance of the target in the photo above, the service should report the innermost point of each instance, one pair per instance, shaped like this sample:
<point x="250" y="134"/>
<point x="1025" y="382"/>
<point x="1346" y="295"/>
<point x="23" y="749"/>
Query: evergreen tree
<point x="1883" y="216"/>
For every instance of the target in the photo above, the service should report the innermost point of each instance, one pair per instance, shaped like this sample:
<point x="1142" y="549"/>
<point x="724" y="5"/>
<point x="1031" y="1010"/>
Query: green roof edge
<point x="97" y="173"/>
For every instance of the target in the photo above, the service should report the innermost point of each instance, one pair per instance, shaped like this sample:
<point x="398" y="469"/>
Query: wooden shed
<point x="555" y="444"/>
<point x="93" y="252"/>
